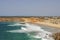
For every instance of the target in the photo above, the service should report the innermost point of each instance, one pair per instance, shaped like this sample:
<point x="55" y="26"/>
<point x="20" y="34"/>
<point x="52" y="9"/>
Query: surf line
<point x="37" y="30"/>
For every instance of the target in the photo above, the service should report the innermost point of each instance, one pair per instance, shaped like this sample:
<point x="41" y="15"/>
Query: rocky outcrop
<point x="56" y="36"/>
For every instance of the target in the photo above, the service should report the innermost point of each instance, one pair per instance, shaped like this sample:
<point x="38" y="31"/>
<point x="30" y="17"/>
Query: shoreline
<point x="48" y="28"/>
<point x="46" y="21"/>
<point x="45" y="24"/>
<point x="48" y="24"/>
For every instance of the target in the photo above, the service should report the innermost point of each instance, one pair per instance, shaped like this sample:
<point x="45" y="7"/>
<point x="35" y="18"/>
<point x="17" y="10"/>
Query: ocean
<point x="18" y="31"/>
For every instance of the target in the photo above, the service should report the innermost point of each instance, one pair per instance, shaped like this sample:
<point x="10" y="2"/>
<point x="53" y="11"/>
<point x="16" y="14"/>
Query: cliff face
<point x="16" y="19"/>
<point x="53" y="20"/>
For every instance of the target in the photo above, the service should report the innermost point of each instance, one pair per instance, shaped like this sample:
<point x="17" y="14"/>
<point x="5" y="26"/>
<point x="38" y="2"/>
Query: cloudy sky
<point x="29" y="7"/>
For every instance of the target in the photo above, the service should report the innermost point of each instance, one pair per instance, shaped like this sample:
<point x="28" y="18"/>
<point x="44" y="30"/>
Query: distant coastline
<point x="53" y="21"/>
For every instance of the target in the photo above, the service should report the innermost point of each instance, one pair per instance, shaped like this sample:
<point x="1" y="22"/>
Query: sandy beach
<point x="49" y="24"/>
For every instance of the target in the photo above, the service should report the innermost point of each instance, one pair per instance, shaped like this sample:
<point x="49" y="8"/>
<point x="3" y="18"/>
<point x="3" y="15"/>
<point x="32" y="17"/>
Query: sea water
<point x="28" y="31"/>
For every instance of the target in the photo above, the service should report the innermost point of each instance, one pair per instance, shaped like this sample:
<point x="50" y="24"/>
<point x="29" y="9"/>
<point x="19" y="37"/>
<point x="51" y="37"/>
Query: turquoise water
<point x="13" y="36"/>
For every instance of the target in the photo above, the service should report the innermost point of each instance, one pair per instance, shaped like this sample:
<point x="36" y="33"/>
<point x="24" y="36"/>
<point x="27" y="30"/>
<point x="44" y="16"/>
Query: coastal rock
<point x="56" y="36"/>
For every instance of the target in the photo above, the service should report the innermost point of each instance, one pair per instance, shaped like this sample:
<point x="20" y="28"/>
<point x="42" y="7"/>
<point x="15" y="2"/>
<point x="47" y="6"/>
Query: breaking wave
<point x="15" y="24"/>
<point x="33" y="31"/>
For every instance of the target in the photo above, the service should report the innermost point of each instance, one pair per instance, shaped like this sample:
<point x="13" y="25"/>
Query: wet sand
<point x="48" y="28"/>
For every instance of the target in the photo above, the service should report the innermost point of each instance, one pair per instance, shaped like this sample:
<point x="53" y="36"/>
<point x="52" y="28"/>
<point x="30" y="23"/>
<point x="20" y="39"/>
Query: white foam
<point x="16" y="24"/>
<point x="40" y="33"/>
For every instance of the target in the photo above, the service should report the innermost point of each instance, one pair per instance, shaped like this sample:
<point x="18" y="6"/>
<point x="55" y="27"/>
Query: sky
<point x="29" y="7"/>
